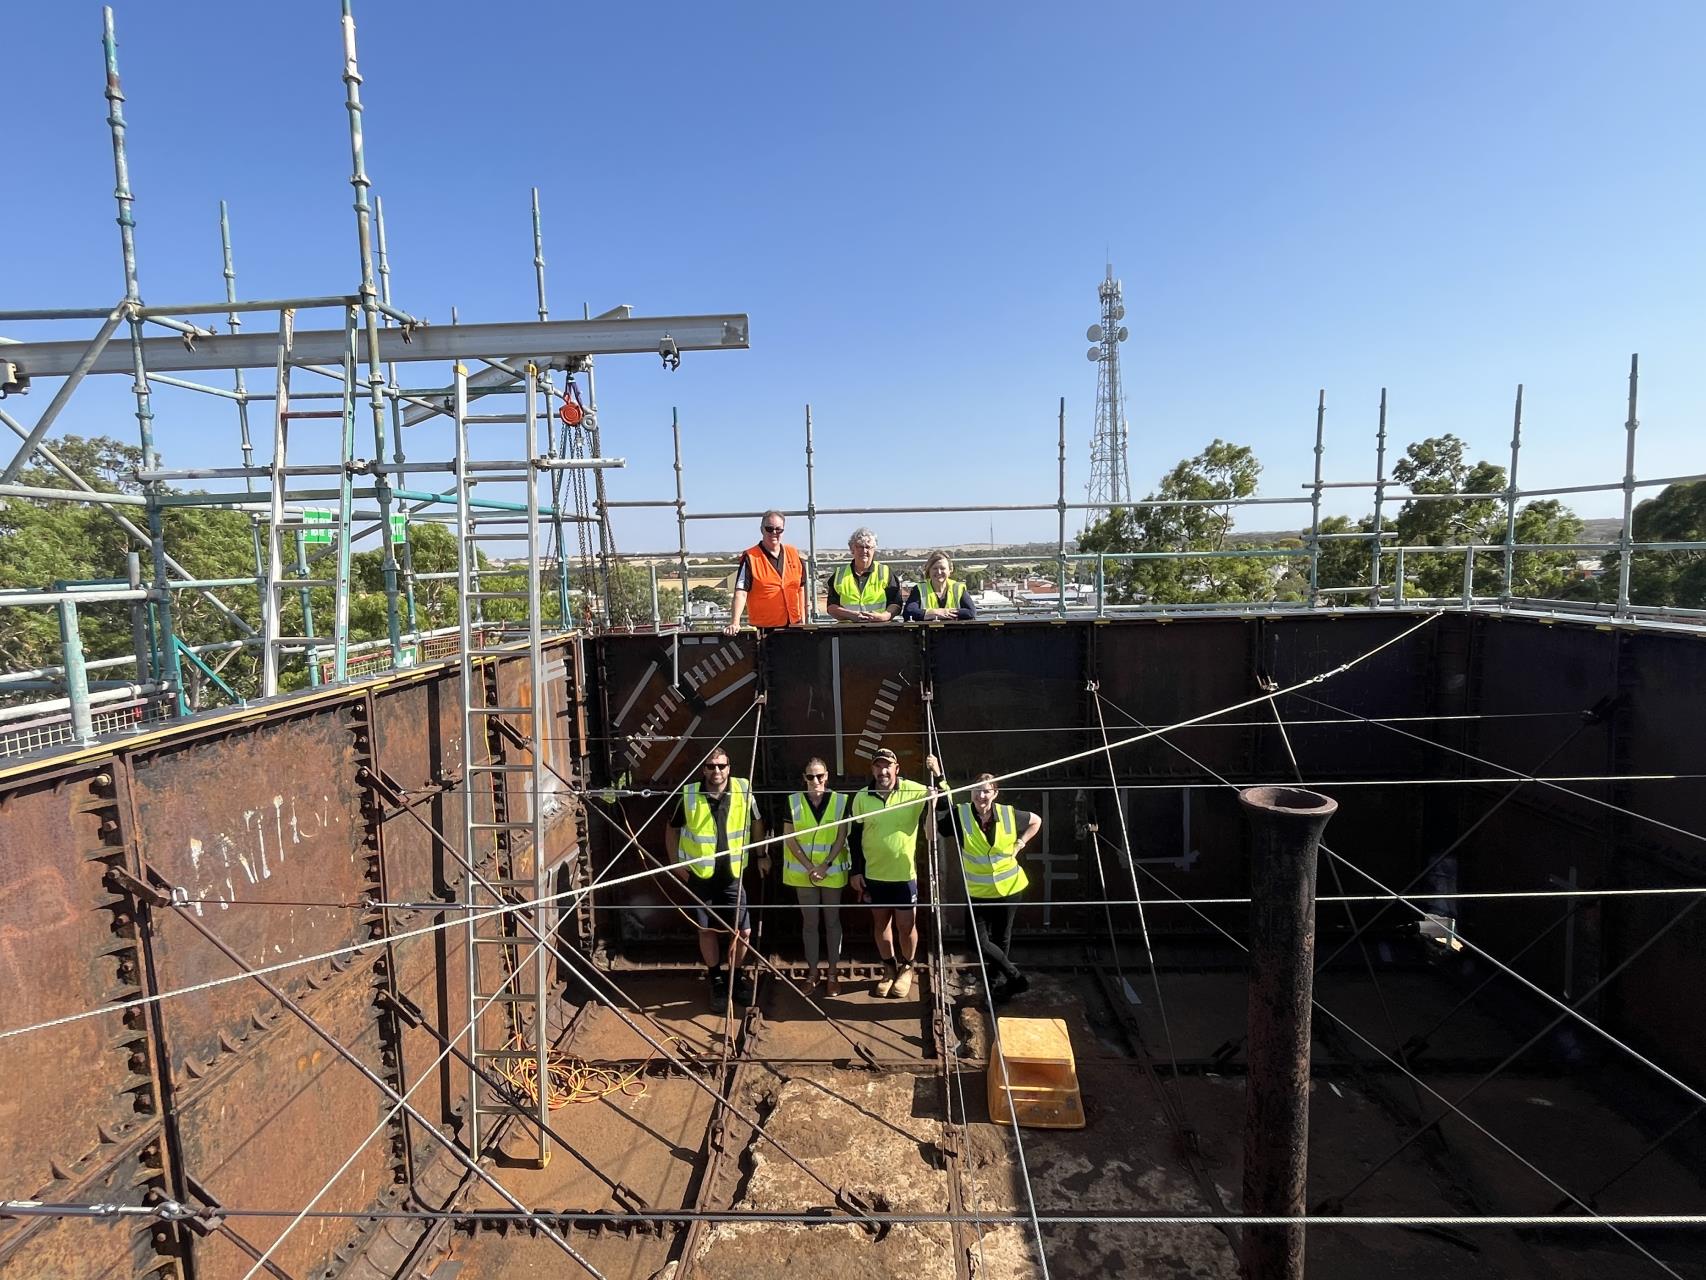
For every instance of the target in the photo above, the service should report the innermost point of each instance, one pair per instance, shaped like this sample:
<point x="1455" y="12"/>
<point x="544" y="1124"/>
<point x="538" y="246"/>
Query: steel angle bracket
<point x="863" y="1207"/>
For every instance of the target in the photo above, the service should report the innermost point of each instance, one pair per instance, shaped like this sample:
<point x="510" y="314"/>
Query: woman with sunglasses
<point x="815" y="863"/>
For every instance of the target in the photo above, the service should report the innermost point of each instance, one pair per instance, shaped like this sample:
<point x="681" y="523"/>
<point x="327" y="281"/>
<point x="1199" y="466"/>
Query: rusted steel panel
<point x="1161" y="674"/>
<point x="270" y="812"/>
<point x="432" y="973"/>
<point x="1658" y="1002"/>
<point x="67" y="945"/>
<point x="1403" y="680"/>
<point x="843" y="693"/>
<point x="271" y="1133"/>
<point x="93" y="1248"/>
<point x="1008" y="699"/>
<point x="1666" y="733"/>
<point x="418" y="744"/>
<point x="668" y="698"/>
<point x="1533" y="683"/>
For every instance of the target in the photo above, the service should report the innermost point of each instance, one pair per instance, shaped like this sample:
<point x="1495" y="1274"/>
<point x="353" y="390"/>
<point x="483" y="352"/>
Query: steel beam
<point x="549" y="342"/>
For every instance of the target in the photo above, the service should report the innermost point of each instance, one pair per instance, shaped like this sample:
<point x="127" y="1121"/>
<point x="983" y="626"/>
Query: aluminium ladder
<point x="282" y="523"/>
<point x="503" y="784"/>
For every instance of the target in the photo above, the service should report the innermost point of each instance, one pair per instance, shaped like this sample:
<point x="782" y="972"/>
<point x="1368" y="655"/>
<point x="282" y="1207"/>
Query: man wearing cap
<point x="706" y="840"/>
<point x="884" y="844"/>
<point x="770" y="583"/>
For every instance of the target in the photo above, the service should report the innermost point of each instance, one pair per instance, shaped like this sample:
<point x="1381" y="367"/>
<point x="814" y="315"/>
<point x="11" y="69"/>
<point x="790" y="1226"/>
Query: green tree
<point x="1439" y="465"/>
<point x="708" y="595"/>
<point x="1673" y="578"/>
<point x="1345" y="562"/>
<point x="1214" y="478"/>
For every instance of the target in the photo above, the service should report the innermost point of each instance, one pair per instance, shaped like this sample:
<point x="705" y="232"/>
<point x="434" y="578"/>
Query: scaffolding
<point x="306" y="517"/>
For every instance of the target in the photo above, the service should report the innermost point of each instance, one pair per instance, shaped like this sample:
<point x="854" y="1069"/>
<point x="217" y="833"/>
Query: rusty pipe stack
<point x="1287" y="823"/>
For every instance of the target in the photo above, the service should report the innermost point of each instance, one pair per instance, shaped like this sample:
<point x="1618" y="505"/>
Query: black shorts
<point x="892" y="893"/>
<point x="719" y="911"/>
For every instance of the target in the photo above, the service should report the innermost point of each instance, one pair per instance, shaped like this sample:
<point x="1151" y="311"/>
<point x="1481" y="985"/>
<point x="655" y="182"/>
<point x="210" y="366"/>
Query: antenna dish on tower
<point x="1094" y="333"/>
<point x="1124" y="333"/>
<point x="1094" y="353"/>
<point x="1119" y="311"/>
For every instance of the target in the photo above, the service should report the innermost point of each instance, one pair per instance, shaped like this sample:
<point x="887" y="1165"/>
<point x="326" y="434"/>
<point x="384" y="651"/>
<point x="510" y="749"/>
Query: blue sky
<point x="914" y="204"/>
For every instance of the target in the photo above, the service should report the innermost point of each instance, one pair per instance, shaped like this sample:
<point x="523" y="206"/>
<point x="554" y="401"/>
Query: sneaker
<point x="719" y="988"/>
<point x="885" y="984"/>
<point x="902" y="987"/>
<point x="743" y="989"/>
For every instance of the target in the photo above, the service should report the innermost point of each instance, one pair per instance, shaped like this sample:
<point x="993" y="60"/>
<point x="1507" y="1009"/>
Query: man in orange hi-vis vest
<point x="770" y="583"/>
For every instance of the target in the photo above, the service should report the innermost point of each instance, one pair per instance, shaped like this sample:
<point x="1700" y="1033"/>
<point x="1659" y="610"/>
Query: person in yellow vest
<point x="884" y="842"/>
<point x="815" y="863"/>
<point x="938" y="597"/>
<point x="991" y="837"/>
<point x="706" y="840"/>
<point x="863" y="591"/>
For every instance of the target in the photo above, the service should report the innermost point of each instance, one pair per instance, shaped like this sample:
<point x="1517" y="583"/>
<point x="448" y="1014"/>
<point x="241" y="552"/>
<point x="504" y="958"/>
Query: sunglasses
<point x="723" y="765"/>
<point x="772" y="528"/>
<point x="817" y="777"/>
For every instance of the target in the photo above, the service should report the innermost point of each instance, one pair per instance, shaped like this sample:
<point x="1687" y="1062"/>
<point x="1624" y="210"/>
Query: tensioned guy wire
<point x="574" y="895"/>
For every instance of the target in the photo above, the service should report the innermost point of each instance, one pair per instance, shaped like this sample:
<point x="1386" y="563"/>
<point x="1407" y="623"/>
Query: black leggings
<point x="992" y="932"/>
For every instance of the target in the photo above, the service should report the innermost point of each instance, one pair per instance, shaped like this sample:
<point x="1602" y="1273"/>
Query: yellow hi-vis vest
<point x="951" y="599"/>
<point x="697" y="845"/>
<point x="816" y="837"/>
<point x="889" y="838"/>
<point x="991" y="870"/>
<point x="875" y="593"/>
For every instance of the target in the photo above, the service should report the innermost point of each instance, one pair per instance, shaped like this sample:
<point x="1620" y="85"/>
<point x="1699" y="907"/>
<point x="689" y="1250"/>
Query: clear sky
<point x="914" y="204"/>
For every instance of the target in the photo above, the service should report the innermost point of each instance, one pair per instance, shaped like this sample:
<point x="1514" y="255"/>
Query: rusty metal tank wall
<point x="1509" y="690"/>
<point x="222" y="1096"/>
<point x="278" y="823"/>
<point x="1535" y="682"/>
<point x="1006" y="697"/>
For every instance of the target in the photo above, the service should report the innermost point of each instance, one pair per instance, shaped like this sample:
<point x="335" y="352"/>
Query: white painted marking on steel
<point x="634" y="697"/>
<point x="679" y="744"/>
<point x="748" y="678"/>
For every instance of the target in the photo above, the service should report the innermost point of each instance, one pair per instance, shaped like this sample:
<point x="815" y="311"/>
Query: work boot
<point x="719" y="988"/>
<point x="1008" y="987"/>
<point x="902" y="987"/>
<point x="885" y="984"/>
<point x="743" y="990"/>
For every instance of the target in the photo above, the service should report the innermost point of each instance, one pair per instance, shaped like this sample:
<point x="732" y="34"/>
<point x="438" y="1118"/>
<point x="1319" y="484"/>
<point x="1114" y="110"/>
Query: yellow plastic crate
<point x="1039" y="1085"/>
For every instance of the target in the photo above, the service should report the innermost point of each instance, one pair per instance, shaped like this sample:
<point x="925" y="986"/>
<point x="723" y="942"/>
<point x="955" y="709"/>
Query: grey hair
<point x="765" y="518"/>
<point x="862" y="534"/>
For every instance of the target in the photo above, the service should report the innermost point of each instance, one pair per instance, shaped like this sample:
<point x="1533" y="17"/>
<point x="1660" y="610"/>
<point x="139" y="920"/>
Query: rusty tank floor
<point x="1152" y="1145"/>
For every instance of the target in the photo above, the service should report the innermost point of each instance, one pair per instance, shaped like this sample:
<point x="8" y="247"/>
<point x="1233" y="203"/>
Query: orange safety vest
<point x="775" y="600"/>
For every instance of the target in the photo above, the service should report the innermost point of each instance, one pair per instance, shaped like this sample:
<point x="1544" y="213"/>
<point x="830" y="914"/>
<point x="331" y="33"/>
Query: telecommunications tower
<point x="1110" y="476"/>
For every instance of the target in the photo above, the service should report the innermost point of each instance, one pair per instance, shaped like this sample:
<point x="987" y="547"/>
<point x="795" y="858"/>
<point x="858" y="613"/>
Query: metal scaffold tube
<point x="371" y="307"/>
<point x="166" y="645"/>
